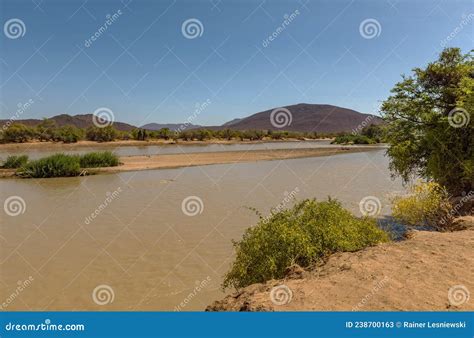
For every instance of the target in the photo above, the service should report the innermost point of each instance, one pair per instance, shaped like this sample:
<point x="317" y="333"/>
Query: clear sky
<point x="145" y="69"/>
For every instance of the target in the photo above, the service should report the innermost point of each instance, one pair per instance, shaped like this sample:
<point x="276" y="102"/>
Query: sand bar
<point x="167" y="161"/>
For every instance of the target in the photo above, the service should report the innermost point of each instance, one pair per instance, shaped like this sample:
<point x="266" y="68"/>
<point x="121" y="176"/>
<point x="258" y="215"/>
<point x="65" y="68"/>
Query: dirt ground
<point x="431" y="271"/>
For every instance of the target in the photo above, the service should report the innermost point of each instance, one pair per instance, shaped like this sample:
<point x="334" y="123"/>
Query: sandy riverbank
<point x="432" y="271"/>
<point x="134" y="163"/>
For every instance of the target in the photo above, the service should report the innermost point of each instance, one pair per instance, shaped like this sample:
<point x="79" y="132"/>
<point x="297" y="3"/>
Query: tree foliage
<point x="430" y="125"/>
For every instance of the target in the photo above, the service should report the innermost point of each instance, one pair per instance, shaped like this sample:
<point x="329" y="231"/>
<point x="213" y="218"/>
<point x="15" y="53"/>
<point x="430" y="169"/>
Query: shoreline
<point x="134" y="143"/>
<point x="385" y="277"/>
<point x="172" y="161"/>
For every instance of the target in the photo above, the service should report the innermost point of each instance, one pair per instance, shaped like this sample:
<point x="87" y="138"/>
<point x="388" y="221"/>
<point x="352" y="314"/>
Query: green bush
<point x="353" y="139"/>
<point x="18" y="132"/>
<point x="301" y="235"/>
<point x="104" y="134"/>
<point x="427" y="204"/>
<point x="98" y="159"/>
<point x="57" y="165"/>
<point x="68" y="134"/>
<point x="13" y="162"/>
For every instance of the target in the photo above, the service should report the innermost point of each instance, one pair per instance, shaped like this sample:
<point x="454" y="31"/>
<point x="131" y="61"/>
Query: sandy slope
<point x="415" y="274"/>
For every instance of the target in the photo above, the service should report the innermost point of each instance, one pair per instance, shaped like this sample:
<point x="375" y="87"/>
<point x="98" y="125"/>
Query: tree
<point x="430" y="127"/>
<point x="104" y="134"/>
<point x="45" y="129"/>
<point x="68" y="134"/>
<point x="18" y="132"/>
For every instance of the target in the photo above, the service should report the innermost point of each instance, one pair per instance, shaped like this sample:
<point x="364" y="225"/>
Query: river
<point x="158" y="239"/>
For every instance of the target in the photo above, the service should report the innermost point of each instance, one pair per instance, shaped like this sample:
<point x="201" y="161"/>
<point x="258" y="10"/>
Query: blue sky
<point x="144" y="69"/>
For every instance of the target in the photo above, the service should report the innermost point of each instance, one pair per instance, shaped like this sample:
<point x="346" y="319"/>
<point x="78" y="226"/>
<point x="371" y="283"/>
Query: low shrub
<point x="98" y="159"/>
<point x="353" y="139"/>
<point x="57" y="165"/>
<point x="13" y="162"/>
<point x="68" y="134"/>
<point x="302" y="235"/>
<point x="426" y="204"/>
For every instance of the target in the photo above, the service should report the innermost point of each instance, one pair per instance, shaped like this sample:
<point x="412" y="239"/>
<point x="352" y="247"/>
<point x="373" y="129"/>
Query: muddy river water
<point x="157" y="239"/>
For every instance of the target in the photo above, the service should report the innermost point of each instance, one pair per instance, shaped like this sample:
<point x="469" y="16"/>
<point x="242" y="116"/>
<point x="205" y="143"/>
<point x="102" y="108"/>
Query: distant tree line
<point x="47" y="130"/>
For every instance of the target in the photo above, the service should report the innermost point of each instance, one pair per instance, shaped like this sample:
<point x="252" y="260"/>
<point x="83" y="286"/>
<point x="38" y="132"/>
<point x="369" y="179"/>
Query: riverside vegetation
<point x="48" y="131"/>
<point x="59" y="165"/>
<point x="430" y="132"/>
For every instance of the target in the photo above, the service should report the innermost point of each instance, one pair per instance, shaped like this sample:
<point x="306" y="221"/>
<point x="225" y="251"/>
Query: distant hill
<point x="321" y="118"/>
<point x="304" y="118"/>
<point x="170" y="126"/>
<point x="231" y="122"/>
<point x="79" y="121"/>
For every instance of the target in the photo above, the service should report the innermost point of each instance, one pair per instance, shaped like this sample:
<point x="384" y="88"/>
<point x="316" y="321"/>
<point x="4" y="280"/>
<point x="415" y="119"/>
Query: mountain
<point x="305" y="117"/>
<point x="231" y="122"/>
<point x="321" y="118"/>
<point x="79" y="121"/>
<point x="170" y="126"/>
